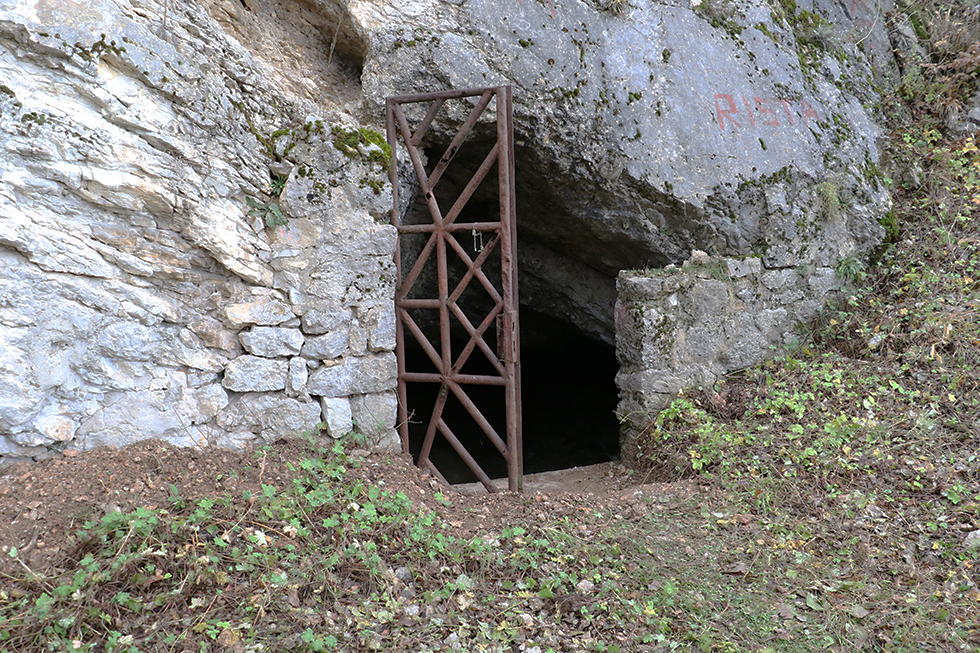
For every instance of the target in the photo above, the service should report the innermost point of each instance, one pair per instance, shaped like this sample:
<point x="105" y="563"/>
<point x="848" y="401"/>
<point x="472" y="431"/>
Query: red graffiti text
<point x="751" y="111"/>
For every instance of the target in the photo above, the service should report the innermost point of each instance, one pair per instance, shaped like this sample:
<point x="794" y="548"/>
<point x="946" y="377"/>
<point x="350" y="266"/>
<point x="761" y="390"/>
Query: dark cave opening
<point x="568" y="366"/>
<point x="569" y="400"/>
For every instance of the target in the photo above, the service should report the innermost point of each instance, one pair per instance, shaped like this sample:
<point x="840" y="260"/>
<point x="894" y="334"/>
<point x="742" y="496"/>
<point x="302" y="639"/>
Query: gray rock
<point x="318" y="321"/>
<point x="378" y="322"/>
<point x="748" y="266"/>
<point x="972" y="539"/>
<point x="213" y="334"/>
<point x="375" y="416"/>
<point x="297" y="377"/>
<point x="627" y="163"/>
<point x="404" y="574"/>
<point x="255" y="374"/>
<point x="328" y="346"/>
<point x="270" y="415"/>
<point x="337" y="416"/>
<point x="667" y="341"/>
<point x="168" y="410"/>
<point x="125" y="202"/>
<point x="272" y="341"/>
<point x="355" y="375"/>
<point x="266" y="308"/>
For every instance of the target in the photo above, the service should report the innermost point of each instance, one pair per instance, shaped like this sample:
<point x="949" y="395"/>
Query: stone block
<point x="255" y="374"/>
<point x="328" y="346"/>
<point x="747" y="295"/>
<point x="823" y="281"/>
<point x="299" y="374"/>
<point x="173" y="412"/>
<point x="318" y="321"/>
<point x="337" y="416"/>
<point x="272" y="342"/>
<point x="778" y="280"/>
<point x="54" y="425"/>
<point x="638" y="287"/>
<point x="266" y="309"/>
<point x="271" y="415"/>
<point x="707" y="297"/>
<point x="737" y="269"/>
<point x="699" y="258"/>
<point x="213" y="334"/>
<point x="375" y="416"/>
<point x="382" y="336"/>
<point x="358" y="340"/>
<point x="787" y="297"/>
<point x="355" y="376"/>
<point x="195" y="357"/>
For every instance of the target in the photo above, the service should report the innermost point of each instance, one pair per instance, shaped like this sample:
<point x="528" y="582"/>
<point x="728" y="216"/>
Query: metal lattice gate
<point x="497" y="238"/>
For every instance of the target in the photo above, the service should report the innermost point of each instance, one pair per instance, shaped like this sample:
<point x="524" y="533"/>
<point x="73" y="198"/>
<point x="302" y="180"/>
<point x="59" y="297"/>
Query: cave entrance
<point x="465" y="341"/>
<point x="569" y="399"/>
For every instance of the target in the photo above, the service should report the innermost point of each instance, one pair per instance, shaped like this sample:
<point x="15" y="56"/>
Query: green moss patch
<point x="351" y="141"/>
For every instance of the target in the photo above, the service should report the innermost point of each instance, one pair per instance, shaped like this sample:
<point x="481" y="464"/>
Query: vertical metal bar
<point x="444" y="325"/>
<point x="515" y="294"/>
<point x="508" y="265"/>
<point x="399" y="328"/>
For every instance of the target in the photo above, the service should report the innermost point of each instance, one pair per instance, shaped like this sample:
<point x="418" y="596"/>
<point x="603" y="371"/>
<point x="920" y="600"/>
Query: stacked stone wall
<point x="147" y="287"/>
<point x="685" y="327"/>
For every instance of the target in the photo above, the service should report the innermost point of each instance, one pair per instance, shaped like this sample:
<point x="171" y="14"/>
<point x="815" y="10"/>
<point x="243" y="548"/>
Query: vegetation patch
<point x="270" y="213"/>
<point x="362" y="143"/>
<point x="853" y="460"/>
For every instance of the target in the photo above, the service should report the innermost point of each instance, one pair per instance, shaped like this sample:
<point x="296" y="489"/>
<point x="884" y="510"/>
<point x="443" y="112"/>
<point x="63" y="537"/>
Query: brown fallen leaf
<point x="228" y="638"/>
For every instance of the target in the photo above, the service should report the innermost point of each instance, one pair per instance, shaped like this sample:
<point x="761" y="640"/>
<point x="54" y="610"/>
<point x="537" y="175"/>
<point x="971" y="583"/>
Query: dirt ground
<point x="43" y="504"/>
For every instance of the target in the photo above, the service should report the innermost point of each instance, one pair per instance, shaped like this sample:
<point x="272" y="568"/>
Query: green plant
<point x="617" y="7"/>
<point x="278" y="184"/>
<point x="270" y="213"/>
<point x="850" y="269"/>
<point x="830" y="203"/>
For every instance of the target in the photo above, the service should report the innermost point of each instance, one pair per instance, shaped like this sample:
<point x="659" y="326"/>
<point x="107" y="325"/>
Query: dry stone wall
<point x="686" y="327"/>
<point x="143" y="293"/>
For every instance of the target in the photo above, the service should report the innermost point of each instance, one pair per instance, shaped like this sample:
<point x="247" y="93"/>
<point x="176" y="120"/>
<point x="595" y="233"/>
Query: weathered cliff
<point x="147" y="290"/>
<point x="646" y="129"/>
<point x="151" y="147"/>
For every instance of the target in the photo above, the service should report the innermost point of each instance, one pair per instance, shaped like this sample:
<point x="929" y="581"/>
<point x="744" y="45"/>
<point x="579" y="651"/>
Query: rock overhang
<point x="676" y="126"/>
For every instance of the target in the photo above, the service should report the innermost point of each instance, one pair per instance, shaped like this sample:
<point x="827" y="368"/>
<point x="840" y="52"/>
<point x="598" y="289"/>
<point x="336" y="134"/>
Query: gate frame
<point x="505" y="312"/>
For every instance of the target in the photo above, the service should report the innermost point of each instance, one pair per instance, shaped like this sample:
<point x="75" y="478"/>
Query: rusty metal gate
<point x="441" y="240"/>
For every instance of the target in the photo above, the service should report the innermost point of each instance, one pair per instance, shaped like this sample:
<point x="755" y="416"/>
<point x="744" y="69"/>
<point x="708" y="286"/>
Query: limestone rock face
<point x="728" y="126"/>
<point x="146" y="289"/>
<point x="152" y="149"/>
